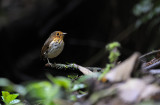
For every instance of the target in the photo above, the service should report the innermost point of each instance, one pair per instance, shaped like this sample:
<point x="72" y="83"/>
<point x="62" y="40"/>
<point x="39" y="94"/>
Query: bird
<point x="53" y="46"/>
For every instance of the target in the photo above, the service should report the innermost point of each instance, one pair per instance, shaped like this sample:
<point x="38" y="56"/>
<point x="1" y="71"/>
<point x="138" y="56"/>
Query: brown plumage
<point x="53" y="45"/>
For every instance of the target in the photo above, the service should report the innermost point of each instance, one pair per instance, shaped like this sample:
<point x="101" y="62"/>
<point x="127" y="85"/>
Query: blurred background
<point x="90" y="24"/>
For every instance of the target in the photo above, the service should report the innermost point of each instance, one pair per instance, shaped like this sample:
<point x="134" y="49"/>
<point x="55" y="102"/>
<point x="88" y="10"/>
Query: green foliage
<point x="9" y="86"/>
<point x="9" y="99"/>
<point x="46" y="92"/>
<point x="112" y="45"/>
<point x="113" y="52"/>
<point x="147" y="14"/>
<point x="58" y="88"/>
<point x="73" y="98"/>
<point x="147" y="10"/>
<point x="86" y="77"/>
<point x="78" y="86"/>
<point x="143" y="7"/>
<point x="106" y="70"/>
<point x="60" y="81"/>
<point x="113" y="56"/>
<point x="39" y="89"/>
<point x="73" y="76"/>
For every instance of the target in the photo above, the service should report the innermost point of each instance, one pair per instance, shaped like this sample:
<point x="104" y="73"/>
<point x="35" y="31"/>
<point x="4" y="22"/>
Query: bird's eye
<point x="57" y="34"/>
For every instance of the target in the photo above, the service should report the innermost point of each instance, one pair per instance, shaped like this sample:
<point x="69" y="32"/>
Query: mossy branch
<point x="73" y="66"/>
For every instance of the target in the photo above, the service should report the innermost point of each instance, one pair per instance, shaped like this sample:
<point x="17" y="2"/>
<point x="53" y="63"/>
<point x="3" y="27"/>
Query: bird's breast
<point x="55" y="48"/>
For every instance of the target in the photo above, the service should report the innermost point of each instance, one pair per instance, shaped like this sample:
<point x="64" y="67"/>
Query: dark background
<point x="90" y="24"/>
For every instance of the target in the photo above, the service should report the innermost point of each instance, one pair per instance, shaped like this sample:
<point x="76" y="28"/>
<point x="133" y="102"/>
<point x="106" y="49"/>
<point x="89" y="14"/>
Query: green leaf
<point x="5" y="94"/>
<point x="9" y="98"/>
<point x="73" y="76"/>
<point x="106" y="70"/>
<point x="78" y="86"/>
<point x="113" y="56"/>
<point x="39" y="89"/>
<point x="60" y="81"/>
<point x="73" y="98"/>
<point x="112" y="45"/>
<point x="43" y="92"/>
<point x="86" y="77"/>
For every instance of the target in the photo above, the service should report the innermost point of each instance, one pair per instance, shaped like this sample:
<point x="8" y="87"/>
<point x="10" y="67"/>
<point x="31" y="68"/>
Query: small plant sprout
<point x="9" y="99"/>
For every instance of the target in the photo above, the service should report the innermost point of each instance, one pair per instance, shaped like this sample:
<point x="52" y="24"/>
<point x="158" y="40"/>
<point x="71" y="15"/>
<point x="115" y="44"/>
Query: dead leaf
<point x="135" y="90"/>
<point x="122" y="71"/>
<point x="130" y="91"/>
<point x="149" y="91"/>
<point x="84" y="70"/>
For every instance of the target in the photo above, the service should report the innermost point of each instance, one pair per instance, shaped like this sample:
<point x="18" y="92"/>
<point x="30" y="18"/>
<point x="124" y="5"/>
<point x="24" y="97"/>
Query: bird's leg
<point x="49" y="62"/>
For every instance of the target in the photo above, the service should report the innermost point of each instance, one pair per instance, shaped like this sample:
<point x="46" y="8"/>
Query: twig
<point x="73" y="66"/>
<point x="152" y="66"/>
<point x="154" y="71"/>
<point x="146" y="56"/>
<point x="143" y="58"/>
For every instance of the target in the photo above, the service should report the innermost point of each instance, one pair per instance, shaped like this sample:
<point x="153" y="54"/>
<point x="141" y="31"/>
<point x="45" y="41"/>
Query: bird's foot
<point x="48" y="64"/>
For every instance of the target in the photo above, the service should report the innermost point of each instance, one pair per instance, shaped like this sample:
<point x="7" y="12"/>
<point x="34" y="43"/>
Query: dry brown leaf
<point x="131" y="90"/>
<point x="135" y="90"/>
<point x="122" y="71"/>
<point x="84" y="70"/>
<point x="149" y="91"/>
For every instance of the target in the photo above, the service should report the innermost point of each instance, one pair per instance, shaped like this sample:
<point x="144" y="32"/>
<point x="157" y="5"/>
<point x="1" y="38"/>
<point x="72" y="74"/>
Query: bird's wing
<point x="46" y="45"/>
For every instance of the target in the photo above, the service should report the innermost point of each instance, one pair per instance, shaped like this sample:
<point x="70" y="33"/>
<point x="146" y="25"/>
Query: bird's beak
<point x="64" y="33"/>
